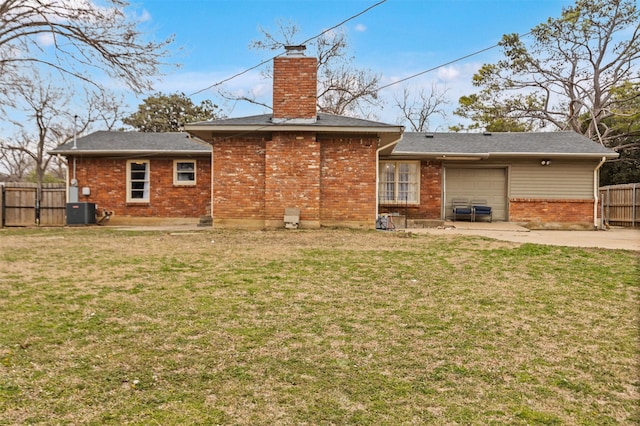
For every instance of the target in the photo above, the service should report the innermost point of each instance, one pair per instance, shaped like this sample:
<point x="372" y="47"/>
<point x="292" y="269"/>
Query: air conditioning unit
<point x="81" y="213"/>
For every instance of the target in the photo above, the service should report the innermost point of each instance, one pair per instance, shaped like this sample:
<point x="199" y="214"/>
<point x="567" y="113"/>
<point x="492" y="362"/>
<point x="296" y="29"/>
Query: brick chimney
<point x="294" y="87"/>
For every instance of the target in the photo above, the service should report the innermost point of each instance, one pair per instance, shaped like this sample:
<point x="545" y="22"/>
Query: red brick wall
<point x="550" y="210"/>
<point x="348" y="193"/>
<point x="107" y="181"/>
<point x="292" y="176"/>
<point x="430" y="194"/>
<point x="332" y="181"/>
<point x="239" y="176"/>
<point x="294" y="87"/>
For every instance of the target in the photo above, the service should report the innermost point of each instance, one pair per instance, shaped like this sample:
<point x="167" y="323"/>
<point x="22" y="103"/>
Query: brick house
<point x="143" y="178"/>
<point x="323" y="164"/>
<point x="540" y="179"/>
<point x="338" y="171"/>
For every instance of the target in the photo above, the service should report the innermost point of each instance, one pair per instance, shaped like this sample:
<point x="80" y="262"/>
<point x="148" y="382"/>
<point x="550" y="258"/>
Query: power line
<point x="280" y="54"/>
<point x="477" y="52"/>
<point x="344" y="22"/>
<point x="436" y="67"/>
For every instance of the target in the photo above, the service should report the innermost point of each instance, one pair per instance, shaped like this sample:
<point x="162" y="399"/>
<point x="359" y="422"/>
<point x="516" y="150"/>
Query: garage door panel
<point x="474" y="184"/>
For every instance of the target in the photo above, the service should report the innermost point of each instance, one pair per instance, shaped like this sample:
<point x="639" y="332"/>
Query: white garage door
<point x="474" y="184"/>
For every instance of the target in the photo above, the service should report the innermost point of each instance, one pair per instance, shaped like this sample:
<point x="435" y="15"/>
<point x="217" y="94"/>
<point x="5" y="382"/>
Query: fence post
<point x="2" y="202"/>
<point x="603" y="223"/>
<point x="38" y="196"/>
<point x="608" y="206"/>
<point x="634" y="209"/>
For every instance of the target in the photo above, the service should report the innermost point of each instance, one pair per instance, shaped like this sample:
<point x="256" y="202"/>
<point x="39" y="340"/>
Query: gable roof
<point x="485" y="145"/>
<point x="121" y="143"/>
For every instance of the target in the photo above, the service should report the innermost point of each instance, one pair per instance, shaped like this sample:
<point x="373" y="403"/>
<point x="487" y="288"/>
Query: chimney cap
<point x="295" y="50"/>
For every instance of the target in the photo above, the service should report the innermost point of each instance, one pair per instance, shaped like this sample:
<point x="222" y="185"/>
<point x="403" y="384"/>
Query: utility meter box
<point x="81" y="213"/>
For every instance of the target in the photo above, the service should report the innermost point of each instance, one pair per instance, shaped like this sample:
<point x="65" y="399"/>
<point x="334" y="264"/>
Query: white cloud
<point x="454" y="79"/>
<point x="250" y="84"/>
<point x="46" y="39"/>
<point x="144" y="16"/>
<point x="448" y="73"/>
<point x="361" y="28"/>
<point x="261" y="89"/>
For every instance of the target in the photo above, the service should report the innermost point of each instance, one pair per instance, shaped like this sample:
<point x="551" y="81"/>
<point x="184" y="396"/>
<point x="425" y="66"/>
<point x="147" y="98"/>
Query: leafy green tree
<point x="487" y="116"/>
<point x="169" y="113"/>
<point x="565" y="76"/>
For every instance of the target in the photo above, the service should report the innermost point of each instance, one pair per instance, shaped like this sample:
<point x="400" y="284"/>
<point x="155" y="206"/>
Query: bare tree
<point x="342" y="88"/>
<point x="14" y="161"/>
<point x="51" y="121"/>
<point x="417" y="108"/>
<point x="84" y="35"/>
<point x="103" y="109"/>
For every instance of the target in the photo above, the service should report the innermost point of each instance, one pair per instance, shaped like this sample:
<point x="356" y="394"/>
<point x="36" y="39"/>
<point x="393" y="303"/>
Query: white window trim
<point x="147" y="190"/>
<point x="382" y="182"/>
<point x="177" y="182"/>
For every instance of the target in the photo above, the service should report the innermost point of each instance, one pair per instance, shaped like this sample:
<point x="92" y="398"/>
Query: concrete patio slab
<point x="614" y="238"/>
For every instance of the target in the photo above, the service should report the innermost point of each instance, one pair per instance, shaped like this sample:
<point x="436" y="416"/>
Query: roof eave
<point x="594" y="155"/>
<point x="199" y="129"/>
<point x="128" y="152"/>
<point x="485" y="155"/>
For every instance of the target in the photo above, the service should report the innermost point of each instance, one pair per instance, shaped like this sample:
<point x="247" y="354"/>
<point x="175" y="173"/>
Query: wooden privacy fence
<point x="619" y="204"/>
<point x="21" y="204"/>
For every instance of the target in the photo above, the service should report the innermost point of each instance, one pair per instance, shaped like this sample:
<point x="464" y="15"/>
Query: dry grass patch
<point x="313" y="327"/>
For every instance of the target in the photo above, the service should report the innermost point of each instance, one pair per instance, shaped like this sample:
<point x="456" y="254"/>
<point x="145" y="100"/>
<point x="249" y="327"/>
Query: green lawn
<point x="102" y="326"/>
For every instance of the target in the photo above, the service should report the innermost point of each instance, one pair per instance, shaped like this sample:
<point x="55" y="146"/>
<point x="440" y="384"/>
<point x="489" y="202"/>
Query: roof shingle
<point x="133" y="142"/>
<point x="496" y="144"/>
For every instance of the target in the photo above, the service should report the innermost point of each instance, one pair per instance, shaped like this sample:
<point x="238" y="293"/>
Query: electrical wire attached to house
<point x="453" y="61"/>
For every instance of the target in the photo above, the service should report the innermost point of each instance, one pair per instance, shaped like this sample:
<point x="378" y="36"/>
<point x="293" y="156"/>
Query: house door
<point x="477" y="183"/>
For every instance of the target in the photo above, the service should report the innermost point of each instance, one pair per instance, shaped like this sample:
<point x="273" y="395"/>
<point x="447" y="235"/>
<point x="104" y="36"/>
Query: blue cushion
<point x="482" y="209"/>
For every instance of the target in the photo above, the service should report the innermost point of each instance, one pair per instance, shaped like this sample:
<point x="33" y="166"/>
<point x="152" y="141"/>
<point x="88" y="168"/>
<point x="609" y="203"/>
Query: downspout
<point x="67" y="177"/>
<point x="73" y="197"/>
<point x="212" y="184"/>
<point x="75" y="144"/>
<point x="378" y="171"/>
<point x="596" y="194"/>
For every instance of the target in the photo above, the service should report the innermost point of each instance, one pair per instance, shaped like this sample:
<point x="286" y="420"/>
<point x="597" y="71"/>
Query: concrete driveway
<point x="615" y="238"/>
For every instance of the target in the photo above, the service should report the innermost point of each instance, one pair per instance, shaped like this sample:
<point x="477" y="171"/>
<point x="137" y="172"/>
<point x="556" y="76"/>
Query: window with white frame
<point x="184" y="172"/>
<point x="138" y="181"/>
<point x="399" y="182"/>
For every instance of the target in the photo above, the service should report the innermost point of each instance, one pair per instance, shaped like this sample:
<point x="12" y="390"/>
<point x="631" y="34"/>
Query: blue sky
<point x="395" y="39"/>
